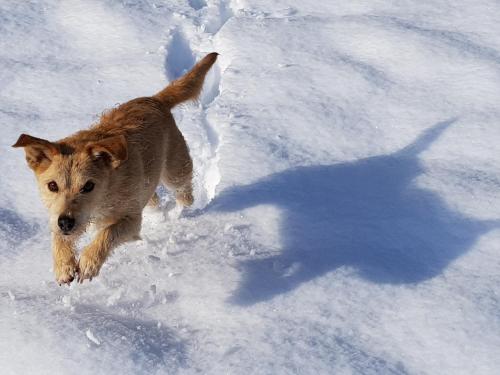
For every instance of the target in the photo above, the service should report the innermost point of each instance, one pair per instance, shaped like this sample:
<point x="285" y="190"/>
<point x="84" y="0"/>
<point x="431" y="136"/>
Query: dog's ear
<point x="112" y="150"/>
<point x="39" y="152"/>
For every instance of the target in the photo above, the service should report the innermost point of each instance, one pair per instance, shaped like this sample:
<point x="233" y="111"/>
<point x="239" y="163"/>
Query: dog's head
<point x="73" y="180"/>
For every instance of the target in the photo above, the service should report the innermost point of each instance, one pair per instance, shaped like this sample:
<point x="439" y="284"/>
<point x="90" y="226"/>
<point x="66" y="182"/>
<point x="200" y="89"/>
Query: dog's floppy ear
<point x="112" y="150"/>
<point x="39" y="152"/>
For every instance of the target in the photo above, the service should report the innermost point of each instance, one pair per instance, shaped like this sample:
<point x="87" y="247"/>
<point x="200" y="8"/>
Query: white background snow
<point x="347" y="177"/>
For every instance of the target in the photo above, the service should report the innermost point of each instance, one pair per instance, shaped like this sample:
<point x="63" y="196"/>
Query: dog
<point x="107" y="174"/>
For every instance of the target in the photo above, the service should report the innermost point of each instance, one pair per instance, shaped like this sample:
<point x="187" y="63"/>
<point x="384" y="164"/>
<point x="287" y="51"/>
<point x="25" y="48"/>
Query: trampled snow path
<point x="347" y="179"/>
<point x="202" y="23"/>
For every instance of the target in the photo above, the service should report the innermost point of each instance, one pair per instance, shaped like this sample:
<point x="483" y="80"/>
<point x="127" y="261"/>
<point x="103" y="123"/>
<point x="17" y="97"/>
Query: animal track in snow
<point x="212" y="175"/>
<point x="179" y="56"/>
<point x="211" y="15"/>
<point x="197" y="4"/>
<point x="217" y="13"/>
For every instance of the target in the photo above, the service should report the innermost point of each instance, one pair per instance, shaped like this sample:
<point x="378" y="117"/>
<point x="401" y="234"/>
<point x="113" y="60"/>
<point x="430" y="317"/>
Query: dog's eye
<point x="88" y="187"/>
<point x="53" y="186"/>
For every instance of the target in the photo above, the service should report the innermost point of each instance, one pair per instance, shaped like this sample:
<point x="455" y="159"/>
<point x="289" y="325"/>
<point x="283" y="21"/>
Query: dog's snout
<point x="66" y="223"/>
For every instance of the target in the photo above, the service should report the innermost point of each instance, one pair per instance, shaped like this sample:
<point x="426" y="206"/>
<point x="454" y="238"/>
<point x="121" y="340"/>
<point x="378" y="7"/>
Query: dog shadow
<point x="368" y="215"/>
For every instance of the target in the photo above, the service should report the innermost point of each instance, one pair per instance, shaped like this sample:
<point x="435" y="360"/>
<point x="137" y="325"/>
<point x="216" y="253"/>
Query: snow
<point x="347" y="175"/>
<point x="92" y="337"/>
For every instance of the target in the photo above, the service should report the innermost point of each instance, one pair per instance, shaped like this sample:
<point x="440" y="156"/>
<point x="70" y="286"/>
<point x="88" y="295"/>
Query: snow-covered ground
<point x="347" y="182"/>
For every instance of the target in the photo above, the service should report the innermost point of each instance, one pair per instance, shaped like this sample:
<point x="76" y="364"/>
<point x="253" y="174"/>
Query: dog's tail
<point x="187" y="87"/>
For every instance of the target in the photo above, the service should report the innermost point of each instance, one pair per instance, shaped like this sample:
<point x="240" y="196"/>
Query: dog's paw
<point x="88" y="266"/>
<point x="66" y="272"/>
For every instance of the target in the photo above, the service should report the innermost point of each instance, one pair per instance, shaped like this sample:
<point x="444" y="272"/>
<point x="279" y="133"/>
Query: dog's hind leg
<point x="180" y="182"/>
<point x="177" y="174"/>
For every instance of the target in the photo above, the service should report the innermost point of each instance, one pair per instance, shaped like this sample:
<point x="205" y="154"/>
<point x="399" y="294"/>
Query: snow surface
<point x="347" y="178"/>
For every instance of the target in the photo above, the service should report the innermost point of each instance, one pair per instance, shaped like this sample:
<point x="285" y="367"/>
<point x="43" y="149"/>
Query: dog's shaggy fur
<point x="107" y="174"/>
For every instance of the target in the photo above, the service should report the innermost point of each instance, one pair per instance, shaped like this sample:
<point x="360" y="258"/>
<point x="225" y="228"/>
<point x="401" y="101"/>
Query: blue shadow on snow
<point x="367" y="214"/>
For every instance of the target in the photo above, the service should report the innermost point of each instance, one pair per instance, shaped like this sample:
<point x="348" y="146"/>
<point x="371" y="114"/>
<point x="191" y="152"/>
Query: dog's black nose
<point x="66" y="223"/>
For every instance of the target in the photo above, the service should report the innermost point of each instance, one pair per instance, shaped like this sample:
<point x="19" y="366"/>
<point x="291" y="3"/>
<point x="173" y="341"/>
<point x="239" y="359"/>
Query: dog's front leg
<point x="65" y="265"/>
<point x="94" y="255"/>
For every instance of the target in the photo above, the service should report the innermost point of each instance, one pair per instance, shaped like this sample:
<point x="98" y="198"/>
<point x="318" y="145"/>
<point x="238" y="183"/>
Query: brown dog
<point x="107" y="174"/>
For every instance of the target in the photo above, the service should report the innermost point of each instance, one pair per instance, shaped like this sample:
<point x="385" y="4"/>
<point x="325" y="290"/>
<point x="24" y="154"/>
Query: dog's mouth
<point x="75" y="232"/>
